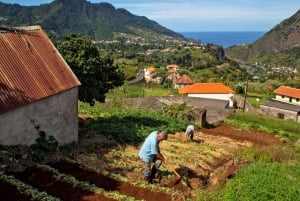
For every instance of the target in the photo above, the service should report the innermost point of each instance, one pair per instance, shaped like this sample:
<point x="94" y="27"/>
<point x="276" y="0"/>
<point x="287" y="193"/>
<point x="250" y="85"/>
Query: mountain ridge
<point x="98" y="20"/>
<point x="275" y="46"/>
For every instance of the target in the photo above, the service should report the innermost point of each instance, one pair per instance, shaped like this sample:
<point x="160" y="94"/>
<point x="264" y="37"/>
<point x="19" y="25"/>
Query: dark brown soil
<point x="253" y="136"/>
<point x="108" y="183"/>
<point x="44" y="181"/>
<point x="10" y="193"/>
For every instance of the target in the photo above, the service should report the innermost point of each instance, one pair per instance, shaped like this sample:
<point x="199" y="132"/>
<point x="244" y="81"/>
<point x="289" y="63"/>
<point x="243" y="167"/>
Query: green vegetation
<point x="132" y="125"/>
<point x="97" y="75"/>
<point x="267" y="173"/>
<point x="139" y="91"/>
<point x="45" y="145"/>
<point x="276" y="48"/>
<point x="26" y="189"/>
<point x="101" y="21"/>
<point x="264" y="182"/>
<point x="83" y="184"/>
<point x="287" y="130"/>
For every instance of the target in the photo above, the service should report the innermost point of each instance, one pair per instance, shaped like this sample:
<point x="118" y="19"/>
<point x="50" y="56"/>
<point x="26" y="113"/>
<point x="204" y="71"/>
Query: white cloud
<point x="204" y="14"/>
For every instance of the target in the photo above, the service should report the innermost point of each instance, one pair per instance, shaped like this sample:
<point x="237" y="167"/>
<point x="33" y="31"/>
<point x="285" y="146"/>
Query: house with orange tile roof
<point x="217" y="91"/>
<point x="183" y="81"/>
<point x="38" y="89"/>
<point x="149" y="73"/>
<point x="285" y="105"/>
<point x="288" y="95"/>
<point x="173" y="71"/>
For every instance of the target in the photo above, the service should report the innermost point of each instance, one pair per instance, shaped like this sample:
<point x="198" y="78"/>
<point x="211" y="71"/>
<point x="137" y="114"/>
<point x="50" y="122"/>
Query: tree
<point x="97" y="74"/>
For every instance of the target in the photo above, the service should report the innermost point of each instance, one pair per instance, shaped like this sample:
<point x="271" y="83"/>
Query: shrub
<point x="264" y="182"/>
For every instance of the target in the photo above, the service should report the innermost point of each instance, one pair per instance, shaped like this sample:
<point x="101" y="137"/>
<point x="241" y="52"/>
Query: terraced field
<point x="114" y="172"/>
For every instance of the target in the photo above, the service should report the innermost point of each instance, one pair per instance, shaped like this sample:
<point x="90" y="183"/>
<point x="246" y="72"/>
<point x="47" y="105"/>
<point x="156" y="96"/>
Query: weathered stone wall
<point x="55" y="115"/>
<point x="275" y="111"/>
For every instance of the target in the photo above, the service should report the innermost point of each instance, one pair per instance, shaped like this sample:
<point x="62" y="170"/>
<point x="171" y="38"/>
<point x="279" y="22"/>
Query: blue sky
<point x="204" y="15"/>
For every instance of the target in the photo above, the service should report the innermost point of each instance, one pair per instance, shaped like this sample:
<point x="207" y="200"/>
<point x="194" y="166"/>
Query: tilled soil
<point x="202" y="164"/>
<point x="10" y="193"/>
<point x="108" y="183"/>
<point x="44" y="181"/>
<point x="252" y="136"/>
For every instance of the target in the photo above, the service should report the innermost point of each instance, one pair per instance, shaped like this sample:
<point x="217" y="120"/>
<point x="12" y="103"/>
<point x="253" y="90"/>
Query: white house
<point x="209" y="90"/>
<point x="38" y="90"/>
<point x="173" y="70"/>
<point x="149" y="73"/>
<point x="286" y="104"/>
<point x="288" y="95"/>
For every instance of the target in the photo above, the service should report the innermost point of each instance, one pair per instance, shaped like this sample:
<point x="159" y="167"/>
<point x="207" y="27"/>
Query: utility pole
<point x="245" y="96"/>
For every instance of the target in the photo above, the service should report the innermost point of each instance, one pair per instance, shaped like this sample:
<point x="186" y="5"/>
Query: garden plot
<point x="109" y="183"/>
<point x="114" y="172"/>
<point x="203" y="164"/>
<point x="64" y="187"/>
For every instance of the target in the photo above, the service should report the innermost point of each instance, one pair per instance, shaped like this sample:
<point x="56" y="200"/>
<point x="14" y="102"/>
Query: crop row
<point x="26" y="190"/>
<point x="84" y="185"/>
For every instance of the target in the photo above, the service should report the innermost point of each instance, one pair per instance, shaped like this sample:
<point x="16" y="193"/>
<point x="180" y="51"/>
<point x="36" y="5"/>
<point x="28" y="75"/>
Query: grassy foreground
<point x="272" y="173"/>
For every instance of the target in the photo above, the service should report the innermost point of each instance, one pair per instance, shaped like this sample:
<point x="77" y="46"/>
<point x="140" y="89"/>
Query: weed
<point x="44" y="146"/>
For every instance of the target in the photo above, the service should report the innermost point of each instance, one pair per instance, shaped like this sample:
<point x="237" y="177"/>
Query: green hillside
<point x="98" y="20"/>
<point x="280" y="46"/>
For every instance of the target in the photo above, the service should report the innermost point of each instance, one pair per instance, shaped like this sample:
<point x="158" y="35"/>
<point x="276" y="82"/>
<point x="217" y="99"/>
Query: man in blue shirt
<point x="150" y="153"/>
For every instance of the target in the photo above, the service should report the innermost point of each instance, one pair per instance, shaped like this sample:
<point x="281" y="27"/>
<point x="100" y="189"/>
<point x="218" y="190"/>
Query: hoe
<point x="172" y="169"/>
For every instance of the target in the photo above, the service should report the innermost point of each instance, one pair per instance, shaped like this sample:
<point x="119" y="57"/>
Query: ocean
<point x="225" y="38"/>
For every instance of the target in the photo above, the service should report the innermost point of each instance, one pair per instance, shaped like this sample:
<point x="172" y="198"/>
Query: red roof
<point x="184" y="79"/>
<point x="206" y="88"/>
<point x="288" y="91"/>
<point x="31" y="68"/>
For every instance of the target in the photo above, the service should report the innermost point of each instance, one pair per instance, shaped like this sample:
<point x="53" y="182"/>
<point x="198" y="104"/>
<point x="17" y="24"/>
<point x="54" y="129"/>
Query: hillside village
<point x="51" y="152"/>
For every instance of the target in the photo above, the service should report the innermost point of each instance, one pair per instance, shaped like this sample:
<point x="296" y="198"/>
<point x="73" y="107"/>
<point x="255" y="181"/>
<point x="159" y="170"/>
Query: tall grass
<point x="288" y="130"/>
<point x="127" y="92"/>
<point x="136" y="91"/>
<point x="128" y="126"/>
<point x="263" y="182"/>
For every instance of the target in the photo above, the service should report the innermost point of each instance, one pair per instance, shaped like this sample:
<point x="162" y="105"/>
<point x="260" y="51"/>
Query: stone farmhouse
<point x="285" y="105"/>
<point x="38" y="90"/>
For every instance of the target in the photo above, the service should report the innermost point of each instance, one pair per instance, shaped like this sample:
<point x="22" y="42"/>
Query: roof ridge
<point x="23" y="29"/>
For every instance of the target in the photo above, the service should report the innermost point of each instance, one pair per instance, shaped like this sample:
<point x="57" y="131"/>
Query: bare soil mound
<point x="253" y="136"/>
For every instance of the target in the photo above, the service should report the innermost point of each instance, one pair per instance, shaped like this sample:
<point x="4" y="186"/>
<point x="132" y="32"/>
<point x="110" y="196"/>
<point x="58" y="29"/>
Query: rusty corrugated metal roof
<point x="31" y="68"/>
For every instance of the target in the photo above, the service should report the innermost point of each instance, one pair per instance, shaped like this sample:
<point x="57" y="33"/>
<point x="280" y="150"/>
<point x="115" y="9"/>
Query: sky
<point x="203" y="15"/>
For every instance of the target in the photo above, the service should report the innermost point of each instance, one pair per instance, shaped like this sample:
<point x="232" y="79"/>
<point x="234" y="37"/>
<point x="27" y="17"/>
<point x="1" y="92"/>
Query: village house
<point x="286" y="104"/>
<point x="216" y="91"/>
<point x="173" y="71"/>
<point x="149" y="74"/>
<point x="38" y="90"/>
<point x="183" y="81"/>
